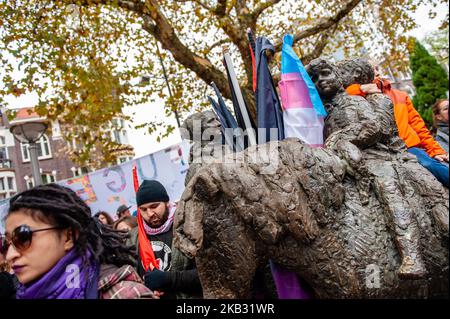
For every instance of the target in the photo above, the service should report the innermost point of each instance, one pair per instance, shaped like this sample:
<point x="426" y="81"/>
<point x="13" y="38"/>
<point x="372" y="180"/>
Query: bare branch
<point x="323" y="24"/>
<point x="201" y="3"/>
<point x="241" y="7"/>
<point x="218" y="43"/>
<point x="156" y="24"/>
<point x="231" y="6"/>
<point x="130" y="5"/>
<point x="263" y="6"/>
<point x="221" y="7"/>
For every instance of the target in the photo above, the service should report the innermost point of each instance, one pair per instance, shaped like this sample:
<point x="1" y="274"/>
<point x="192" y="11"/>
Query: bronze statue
<point x="368" y="133"/>
<point x="326" y="214"/>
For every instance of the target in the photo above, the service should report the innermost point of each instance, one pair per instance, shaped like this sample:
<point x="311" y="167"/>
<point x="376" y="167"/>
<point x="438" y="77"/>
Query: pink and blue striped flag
<point x="304" y="112"/>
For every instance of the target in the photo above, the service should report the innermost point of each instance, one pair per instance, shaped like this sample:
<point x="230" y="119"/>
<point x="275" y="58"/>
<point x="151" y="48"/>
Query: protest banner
<point x="108" y="188"/>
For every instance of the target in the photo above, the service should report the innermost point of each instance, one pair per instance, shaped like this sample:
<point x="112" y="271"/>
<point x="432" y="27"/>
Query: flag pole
<point x="239" y="97"/>
<point x="145" y="248"/>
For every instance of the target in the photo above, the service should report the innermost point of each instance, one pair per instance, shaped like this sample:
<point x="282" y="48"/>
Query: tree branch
<point x="263" y="6"/>
<point x="201" y="3"/>
<point x="241" y="8"/>
<point x="156" y="24"/>
<point x="135" y="6"/>
<point x="166" y="35"/>
<point x="221" y="8"/>
<point x="323" y="24"/>
<point x="320" y="46"/>
<point x="218" y="43"/>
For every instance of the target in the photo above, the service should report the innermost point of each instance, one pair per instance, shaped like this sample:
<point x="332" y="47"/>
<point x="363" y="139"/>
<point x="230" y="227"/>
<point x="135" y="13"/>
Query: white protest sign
<point x="108" y="188"/>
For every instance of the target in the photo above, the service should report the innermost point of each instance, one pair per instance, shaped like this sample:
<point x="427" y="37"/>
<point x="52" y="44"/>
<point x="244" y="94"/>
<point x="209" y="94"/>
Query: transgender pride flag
<point x="303" y="109"/>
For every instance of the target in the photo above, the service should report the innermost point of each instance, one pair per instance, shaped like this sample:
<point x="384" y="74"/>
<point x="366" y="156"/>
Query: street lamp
<point x="31" y="132"/>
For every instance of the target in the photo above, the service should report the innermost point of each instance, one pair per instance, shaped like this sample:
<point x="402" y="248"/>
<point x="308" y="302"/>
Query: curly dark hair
<point x="315" y="66"/>
<point x="129" y="220"/>
<point x="106" y="215"/>
<point x="358" y="70"/>
<point x="60" y="206"/>
<point x="318" y="64"/>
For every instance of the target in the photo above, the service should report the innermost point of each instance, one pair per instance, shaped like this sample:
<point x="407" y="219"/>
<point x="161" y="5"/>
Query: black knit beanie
<point x="150" y="192"/>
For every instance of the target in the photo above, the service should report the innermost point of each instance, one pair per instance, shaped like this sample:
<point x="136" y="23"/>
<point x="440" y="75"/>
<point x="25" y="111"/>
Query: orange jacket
<point x="411" y="127"/>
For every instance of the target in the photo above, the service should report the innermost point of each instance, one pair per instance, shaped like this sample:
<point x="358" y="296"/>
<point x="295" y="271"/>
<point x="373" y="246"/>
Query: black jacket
<point x="7" y="286"/>
<point x="182" y="277"/>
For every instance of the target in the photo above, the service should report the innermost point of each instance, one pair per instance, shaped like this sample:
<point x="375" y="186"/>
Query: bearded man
<point x="156" y="216"/>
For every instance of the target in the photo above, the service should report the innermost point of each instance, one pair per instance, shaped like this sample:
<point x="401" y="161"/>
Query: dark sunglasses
<point x="21" y="238"/>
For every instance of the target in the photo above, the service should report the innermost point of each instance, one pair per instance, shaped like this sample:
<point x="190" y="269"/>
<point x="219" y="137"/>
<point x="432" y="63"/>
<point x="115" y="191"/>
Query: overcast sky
<point x="144" y="144"/>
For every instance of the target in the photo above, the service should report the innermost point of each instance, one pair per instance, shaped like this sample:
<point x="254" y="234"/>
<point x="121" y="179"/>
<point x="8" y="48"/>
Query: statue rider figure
<point x="364" y="135"/>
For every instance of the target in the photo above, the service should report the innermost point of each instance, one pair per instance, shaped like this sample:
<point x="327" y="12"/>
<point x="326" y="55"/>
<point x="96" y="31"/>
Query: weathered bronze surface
<point x="359" y="218"/>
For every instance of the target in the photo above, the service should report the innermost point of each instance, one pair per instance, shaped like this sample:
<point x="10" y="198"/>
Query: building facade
<point x="54" y="162"/>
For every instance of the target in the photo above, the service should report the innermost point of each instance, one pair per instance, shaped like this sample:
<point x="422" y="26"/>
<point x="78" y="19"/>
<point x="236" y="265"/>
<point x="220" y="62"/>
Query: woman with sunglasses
<point x="58" y="250"/>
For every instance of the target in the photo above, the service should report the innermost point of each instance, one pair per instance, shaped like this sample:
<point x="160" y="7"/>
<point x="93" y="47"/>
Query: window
<point x="44" y="150"/>
<point x="25" y="153"/>
<point x="118" y="131"/>
<point x="123" y="159"/>
<point x="30" y="183"/>
<point x="79" y="171"/>
<point x="4" y="162"/>
<point x="47" y="178"/>
<point x="117" y="137"/>
<point x="124" y="137"/>
<point x="7" y="186"/>
<point x="120" y="136"/>
<point x="11" y="183"/>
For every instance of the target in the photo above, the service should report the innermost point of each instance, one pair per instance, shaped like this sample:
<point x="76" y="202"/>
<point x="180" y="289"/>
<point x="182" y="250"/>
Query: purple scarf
<point x="73" y="277"/>
<point x="164" y="227"/>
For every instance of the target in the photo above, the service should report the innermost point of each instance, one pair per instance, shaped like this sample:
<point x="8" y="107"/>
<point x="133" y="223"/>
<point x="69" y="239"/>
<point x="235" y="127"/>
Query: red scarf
<point x="145" y="248"/>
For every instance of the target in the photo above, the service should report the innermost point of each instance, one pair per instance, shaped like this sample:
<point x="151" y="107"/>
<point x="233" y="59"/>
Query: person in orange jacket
<point x="411" y="127"/>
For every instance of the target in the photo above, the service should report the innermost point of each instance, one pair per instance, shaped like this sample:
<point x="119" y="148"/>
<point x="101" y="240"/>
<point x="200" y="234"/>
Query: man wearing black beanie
<point x="157" y="214"/>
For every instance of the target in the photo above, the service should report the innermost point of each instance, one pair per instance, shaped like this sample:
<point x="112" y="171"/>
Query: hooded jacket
<point x="182" y="280"/>
<point x="411" y="127"/>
